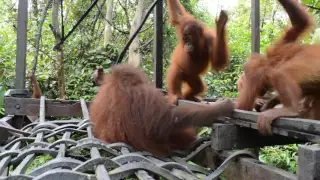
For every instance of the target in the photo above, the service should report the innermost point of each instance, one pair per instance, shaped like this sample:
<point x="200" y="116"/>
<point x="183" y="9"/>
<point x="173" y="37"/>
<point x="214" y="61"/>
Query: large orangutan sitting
<point x="290" y="68"/>
<point x="199" y="48"/>
<point x="129" y="109"/>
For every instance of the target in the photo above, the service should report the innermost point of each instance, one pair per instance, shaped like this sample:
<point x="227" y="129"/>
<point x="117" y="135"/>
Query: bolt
<point x="17" y="106"/>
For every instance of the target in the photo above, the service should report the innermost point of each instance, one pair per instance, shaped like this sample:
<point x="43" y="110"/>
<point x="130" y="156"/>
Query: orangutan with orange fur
<point x="199" y="48"/>
<point x="129" y="109"/>
<point x="265" y="100"/>
<point x="290" y="68"/>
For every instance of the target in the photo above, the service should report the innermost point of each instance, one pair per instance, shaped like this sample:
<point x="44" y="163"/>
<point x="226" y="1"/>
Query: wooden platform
<point x="239" y="131"/>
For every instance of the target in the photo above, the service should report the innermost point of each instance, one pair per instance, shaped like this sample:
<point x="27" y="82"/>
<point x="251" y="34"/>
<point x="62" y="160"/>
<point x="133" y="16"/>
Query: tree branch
<point x="77" y="24"/>
<point x="98" y="14"/>
<point x="110" y="23"/>
<point x="67" y="10"/>
<point x="142" y="47"/>
<point x="312" y="7"/>
<point x="54" y="32"/>
<point x="38" y="35"/>
<point x="127" y="15"/>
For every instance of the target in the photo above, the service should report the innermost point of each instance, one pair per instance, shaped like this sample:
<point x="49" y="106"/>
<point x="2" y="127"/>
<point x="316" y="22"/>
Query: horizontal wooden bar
<point x="303" y="129"/>
<point x="31" y="106"/>
<point x="297" y="124"/>
<point x="214" y="99"/>
<point x="251" y="169"/>
<point x="230" y="136"/>
<point x="280" y="131"/>
<point x="308" y="130"/>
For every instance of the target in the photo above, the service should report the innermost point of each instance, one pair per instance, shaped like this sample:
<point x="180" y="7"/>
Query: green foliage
<point x="80" y="70"/>
<point x="38" y="161"/>
<point x="316" y="37"/>
<point x="314" y="3"/>
<point x="223" y="84"/>
<point x="284" y="157"/>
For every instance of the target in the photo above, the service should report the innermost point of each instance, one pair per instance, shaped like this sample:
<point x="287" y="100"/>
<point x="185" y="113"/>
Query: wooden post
<point x="230" y="136"/>
<point x="21" y="48"/>
<point x="252" y="169"/>
<point x="309" y="162"/>
<point x="158" y="44"/>
<point x="255" y="28"/>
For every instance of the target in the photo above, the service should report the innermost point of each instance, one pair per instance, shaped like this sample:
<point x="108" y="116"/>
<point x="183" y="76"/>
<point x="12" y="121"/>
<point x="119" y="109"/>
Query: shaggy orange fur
<point x="129" y="109"/>
<point x="198" y="47"/>
<point x="290" y="68"/>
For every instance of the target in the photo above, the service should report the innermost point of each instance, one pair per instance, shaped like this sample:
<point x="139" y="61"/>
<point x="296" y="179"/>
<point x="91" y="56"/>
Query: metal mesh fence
<point x="67" y="149"/>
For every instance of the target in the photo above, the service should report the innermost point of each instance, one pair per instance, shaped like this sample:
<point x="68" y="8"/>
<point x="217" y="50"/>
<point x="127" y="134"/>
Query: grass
<point x="283" y="157"/>
<point x="37" y="162"/>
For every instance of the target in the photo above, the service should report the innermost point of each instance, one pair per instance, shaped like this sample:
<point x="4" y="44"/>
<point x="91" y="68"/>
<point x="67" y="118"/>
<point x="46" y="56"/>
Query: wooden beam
<point x="309" y="162"/>
<point x="302" y="129"/>
<point x="253" y="169"/>
<point x="296" y="124"/>
<point x="213" y="99"/>
<point x="230" y="136"/>
<point x="31" y="106"/>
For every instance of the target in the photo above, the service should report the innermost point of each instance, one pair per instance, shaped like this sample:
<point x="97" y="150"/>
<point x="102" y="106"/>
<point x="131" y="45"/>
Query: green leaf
<point x="309" y="2"/>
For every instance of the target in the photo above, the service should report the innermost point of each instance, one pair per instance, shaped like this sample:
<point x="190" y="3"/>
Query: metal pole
<point x="255" y="39"/>
<point x="255" y="21"/>
<point x="158" y="44"/>
<point x="21" y="44"/>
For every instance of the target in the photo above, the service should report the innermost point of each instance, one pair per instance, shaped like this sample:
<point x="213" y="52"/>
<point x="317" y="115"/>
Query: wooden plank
<point x="309" y="162"/>
<point x="252" y="169"/>
<point x="297" y="124"/>
<point x="31" y="106"/>
<point x="213" y="99"/>
<point x="304" y="129"/>
<point x="279" y="131"/>
<point x="308" y="130"/>
<point x="230" y="136"/>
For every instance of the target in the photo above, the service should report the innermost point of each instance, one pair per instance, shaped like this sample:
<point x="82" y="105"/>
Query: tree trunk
<point x="134" y="54"/>
<point x="38" y="35"/>
<point x="35" y="10"/>
<point x="264" y="16"/>
<point x="107" y="29"/>
<point x="274" y="11"/>
<point x="59" y="65"/>
<point x="41" y="4"/>
<point x="68" y="10"/>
